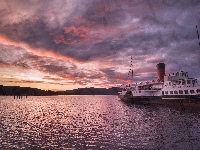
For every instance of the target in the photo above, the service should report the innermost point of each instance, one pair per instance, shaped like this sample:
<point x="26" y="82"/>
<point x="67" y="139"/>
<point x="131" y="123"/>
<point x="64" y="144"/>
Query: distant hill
<point x="17" y="90"/>
<point x="93" y="91"/>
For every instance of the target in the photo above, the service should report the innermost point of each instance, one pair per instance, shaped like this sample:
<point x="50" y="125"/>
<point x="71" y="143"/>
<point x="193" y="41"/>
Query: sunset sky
<point x="68" y="44"/>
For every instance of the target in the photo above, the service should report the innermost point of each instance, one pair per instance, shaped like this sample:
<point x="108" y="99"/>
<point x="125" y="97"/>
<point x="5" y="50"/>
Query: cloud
<point x="4" y="64"/>
<point x="63" y="38"/>
<point x="60" y="71"/>
<point x="72" y="35"/>
<point x="33" y="82"/>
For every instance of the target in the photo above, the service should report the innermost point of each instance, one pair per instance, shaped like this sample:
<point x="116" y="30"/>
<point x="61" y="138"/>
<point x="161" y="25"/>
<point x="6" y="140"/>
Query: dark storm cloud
<point x="35" y="28"/>
<point x="106" y="13"/>
<point x="37" y="32"/>
<point x="106" y="28"/>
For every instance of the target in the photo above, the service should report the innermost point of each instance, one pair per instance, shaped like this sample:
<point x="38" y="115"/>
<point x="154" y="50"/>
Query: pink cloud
<point x="73" y="35"/>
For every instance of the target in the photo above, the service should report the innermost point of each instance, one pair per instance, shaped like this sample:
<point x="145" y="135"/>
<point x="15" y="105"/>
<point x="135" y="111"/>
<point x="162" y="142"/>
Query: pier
<point x="20" y="96"/>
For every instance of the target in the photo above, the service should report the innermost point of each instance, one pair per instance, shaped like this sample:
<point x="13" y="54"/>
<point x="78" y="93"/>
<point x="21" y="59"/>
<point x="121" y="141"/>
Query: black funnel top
<point x="160" y="66"/>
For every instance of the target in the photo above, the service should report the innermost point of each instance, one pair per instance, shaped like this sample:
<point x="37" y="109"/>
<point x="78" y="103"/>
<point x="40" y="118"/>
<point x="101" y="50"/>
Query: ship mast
<point x="131" y="69"/>
<point x="198" y="35"/>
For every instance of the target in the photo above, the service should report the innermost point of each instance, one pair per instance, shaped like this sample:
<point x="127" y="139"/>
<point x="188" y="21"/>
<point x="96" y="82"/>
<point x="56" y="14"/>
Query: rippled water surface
<point x="94" y="122"/>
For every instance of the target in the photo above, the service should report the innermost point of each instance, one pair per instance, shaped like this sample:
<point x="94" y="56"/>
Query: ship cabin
<point x="180" y="84"/>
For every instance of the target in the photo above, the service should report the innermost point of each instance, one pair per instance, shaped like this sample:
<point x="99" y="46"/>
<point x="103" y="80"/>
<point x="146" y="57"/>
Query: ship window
<point x="169" y="83"/>
<point x="188" y="82"/>
<point x="198" y="90"/>
<point x="166" y="92"/>
<point x="191" y="91"/>
<point x="162" y="92"/>
<point x="186" y="74"/>
<point x="180" y="92"/>
<point x="171" y="92"/>
<point x="139" y="91"/>
<point x="186" y="91"/>
<point x="175" y="92"/>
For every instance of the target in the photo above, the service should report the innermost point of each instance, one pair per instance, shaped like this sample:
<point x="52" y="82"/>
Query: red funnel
<point x="161" y="71"/>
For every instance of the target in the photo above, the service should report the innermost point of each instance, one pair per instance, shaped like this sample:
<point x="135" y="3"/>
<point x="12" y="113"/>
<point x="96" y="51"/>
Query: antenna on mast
<point x="131" y="68"/>
<point x="198" y="35"/>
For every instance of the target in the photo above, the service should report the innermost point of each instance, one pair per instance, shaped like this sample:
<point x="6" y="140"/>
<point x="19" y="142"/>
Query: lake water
<point x="94" y="122"/>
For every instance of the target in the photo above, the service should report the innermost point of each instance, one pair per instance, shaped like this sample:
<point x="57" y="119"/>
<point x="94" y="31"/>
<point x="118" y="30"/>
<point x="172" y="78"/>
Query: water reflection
<point x="94" y="122"/>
